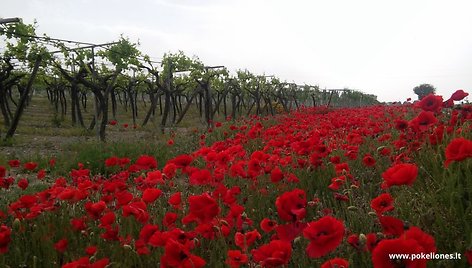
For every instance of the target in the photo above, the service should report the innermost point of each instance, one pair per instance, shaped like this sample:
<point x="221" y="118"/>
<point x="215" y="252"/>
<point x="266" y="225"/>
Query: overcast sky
<point x="380" y="47"/>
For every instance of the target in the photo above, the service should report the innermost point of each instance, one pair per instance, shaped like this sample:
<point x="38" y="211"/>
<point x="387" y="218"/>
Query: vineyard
<point x="79" y="77"/>
<point x="179" y="164"/>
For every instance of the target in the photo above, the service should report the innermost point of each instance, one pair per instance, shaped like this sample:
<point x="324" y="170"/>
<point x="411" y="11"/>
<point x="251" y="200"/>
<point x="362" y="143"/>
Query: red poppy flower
<point x="14" y="163"/>
<point x="423" y="121"/>
<point x="457" y="150"/>
<point x="268" y="225"/>
<point x="123" y="197"/>
<point x="401" y="124"/>
<point x="275" y="254"/>
<point x="291" y="205"/>
<point x="335" y="263"/>
<point x="341" y="197"/>
<point x="385" y="151"/>
<point x="101" y="263"/>
<point x="151" y="194"/>
<point x="276" y="175"/>
<point x="28" y="201"/>
<point x="236" y="258"/>
<point x="138" y="210"/>
<point x="153" y="178"/>
<point x="175" y="200"/>
<point x="90" y="250"/>
<point x="111" y="233"/>
<point x="112" y="161"/>
<point x="400" y="174"/>
<point x="200" y="177"/>
<point x="178" y="255"/>
<point x="41" y="174"/>
<point x="3" y="171"/>
<point x="354" y="241"/>
<point x="382" y="203"/>
<point x="372" y="241"/>
<point x="424" y="240"/>
<point x="181" y="160"/>
<point x="6" y="182"/>
<point x="85" y="262"/>
<point x="325" y="236"/>
<point x="244" y="241"/>
<point x="107" y="219"/>
<point x="23" y="184"/>
<point x="341" y="168"/>
<point x="288" y="232"/>
<point x="81" y="262"/>
<point x="337" y="182"/>
<point x="437" y="136"/>
<point x="5" y="238"/>
<point x="335" y="159"/>
<point x="61" y="245"/>
<point x="78" y="224"/>
<point x="391" y="225"/>
<point x="381" y="256"/>
<point x="95" y="209"/>
<point x="431" y="103"/>
<point x="147" y="232"/>
<point x="30" y="166"/>
<point x="169" y="170"/>
<point x="459" y="95"/>
<point x="468" y="255"/>
<point x="169" y="219"/>
<point x="202" y="208"/>
<point x="52" y="162"/>
<point x="146" y="162"/>
<point x="448" y="103"/>
<point x="368" y="160"/>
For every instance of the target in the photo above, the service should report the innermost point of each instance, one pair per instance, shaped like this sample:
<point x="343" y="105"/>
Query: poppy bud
<point x="380" y="148"/>
<point x="352" y="208"/>
<point x="362" y="239"/>
<point x="380" y="236"/>
<point x="406" y="225"/>
<point x="16" y="224"/>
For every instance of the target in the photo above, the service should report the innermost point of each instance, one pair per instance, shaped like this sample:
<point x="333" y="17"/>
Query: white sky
<point x="380" y="47"/>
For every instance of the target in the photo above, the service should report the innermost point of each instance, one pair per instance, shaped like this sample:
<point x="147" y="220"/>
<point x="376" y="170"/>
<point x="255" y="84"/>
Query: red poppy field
<point x="313" y="188"/>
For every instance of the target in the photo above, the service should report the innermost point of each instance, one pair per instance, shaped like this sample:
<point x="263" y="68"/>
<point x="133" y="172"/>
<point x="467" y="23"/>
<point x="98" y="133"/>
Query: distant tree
<point x="423" y="90"/>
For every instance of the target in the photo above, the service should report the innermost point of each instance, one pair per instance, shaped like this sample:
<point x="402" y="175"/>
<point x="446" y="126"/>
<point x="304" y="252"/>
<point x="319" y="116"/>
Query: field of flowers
<point x="314" y="188"/>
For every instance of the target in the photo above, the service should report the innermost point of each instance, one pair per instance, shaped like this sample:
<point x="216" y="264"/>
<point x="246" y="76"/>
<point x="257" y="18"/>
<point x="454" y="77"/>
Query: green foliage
<point x="22" y="45"/>
<point x="122" y="54"/>
<point x="423" y="90"/>
<point x="179" y="62"/>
